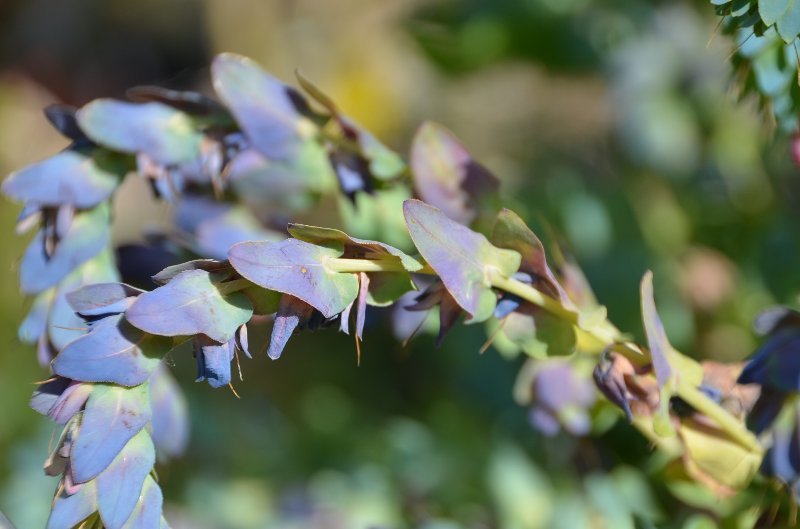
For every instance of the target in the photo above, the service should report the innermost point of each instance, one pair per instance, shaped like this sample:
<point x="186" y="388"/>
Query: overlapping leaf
<point x="465" y="260"/>
<point x="190" y="304"/>
<point x="297" y="268"/>
<point x="102" y="299"/>
<point x="446" y="176"/>
<point x="147" y="513"/>
<point x="384" y="163"/>
<point x="164" y="134"/>
<point x="81" y="178"/>
<point x="114" y="351"/>
<point x="261" y="105"/>
<point x="120" y="485"/>
<point x="86" y="237"/>
<point x="70" y="510"/>
<point x="113" y="415"/>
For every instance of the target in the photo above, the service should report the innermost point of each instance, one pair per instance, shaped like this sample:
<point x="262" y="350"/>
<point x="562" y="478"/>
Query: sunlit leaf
<point x="147" y="513"/>
<point x="165" y="134"/>
<point x="384" y="164"/>
<point x="102" y="298"/>
<point x="81" y="178"/>
<point x="297" y="268"/>
<point x="87" y="236"/>
<point x="261" y="105"/>
<point x="69" y="510"/>
<point x="190" y="304"/>
<point x="209" y="265"/>
<point x="463" y="259"/>
<point x="113" y="415"/>
<point x="114" y="351"/>
<point x="446" y="176"/>
<point x="511" y="232"/>
<point x="120" y="485"/>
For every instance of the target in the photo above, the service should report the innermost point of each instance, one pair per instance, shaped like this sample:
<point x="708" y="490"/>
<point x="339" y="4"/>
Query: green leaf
<point x="465" y="260"/>
<point x="190" y="304"/>
<point x="163" y="133"/>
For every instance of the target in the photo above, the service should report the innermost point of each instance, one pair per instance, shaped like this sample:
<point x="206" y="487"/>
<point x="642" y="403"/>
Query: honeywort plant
<point x="260" y="152"/>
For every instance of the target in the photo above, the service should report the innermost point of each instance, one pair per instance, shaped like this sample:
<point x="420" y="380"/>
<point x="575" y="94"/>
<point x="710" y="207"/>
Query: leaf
<point x="87" y="236"/>
<point x="35" y="323"/>
<point x="788" y="23"/>
<point x="261" y="105"/>
<point x="114" y="351"/>
<point x="292" y="312"/>
<point x="511" y="232"/>
<point x="170" y="422"/>
<point x="715" y="459"/>
<point x="539" y="333"/>
<point x="209" y="265"/>
<point x="353" y="247"/>
<point x="47" y="394"/>
<point x="282" y="184"/>
<point x="193" y="103"/>
<point x="446" y="176"/>
<point x="297" y="268"/>
<point x="112" y="417"/>
<point x="102" y="298"/>
<point x="147" y="513"/>
<point x="70" y="402"/>
<point x="70" y="510"/>
<point x="120" y="485"/>
<point x="190" y="304"/>
<point x="164" y="134"/>
<point x="660" y="348"/>
<point x="62" y="117"/>
<point x="384" y="163"/>
<point x="462" y="258"/>
<point x="82" y="178"/>
<point x="264" y="301"/>
<point x="212" y="226"/>
<point x="772" y="10"/>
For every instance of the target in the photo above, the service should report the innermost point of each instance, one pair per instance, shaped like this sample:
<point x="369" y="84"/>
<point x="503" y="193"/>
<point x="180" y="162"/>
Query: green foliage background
<point x="611" y="120"/>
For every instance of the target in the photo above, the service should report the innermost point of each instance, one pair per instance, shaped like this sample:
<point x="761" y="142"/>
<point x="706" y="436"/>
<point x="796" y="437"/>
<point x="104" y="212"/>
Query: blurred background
<point x="614" y="120"/>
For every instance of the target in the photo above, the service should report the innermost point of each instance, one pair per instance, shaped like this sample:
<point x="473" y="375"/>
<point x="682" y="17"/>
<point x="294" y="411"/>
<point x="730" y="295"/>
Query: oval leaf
<point x="86" y="237"/>
<point x="112" y="417"/>
<point x="462" y="258"/>
<point x="120" y="485"/>
<point x="297" y="268"/>
<point x="147" y="513"/>
<point x="114" y="351"/>
<point x="260" y="103"/>
<point x="80" y="178"/>
<point x="190" y="304"/>
<point x="163" y="133"/>
<point x="70" y="510"/>
<point x="445" y="174"/>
